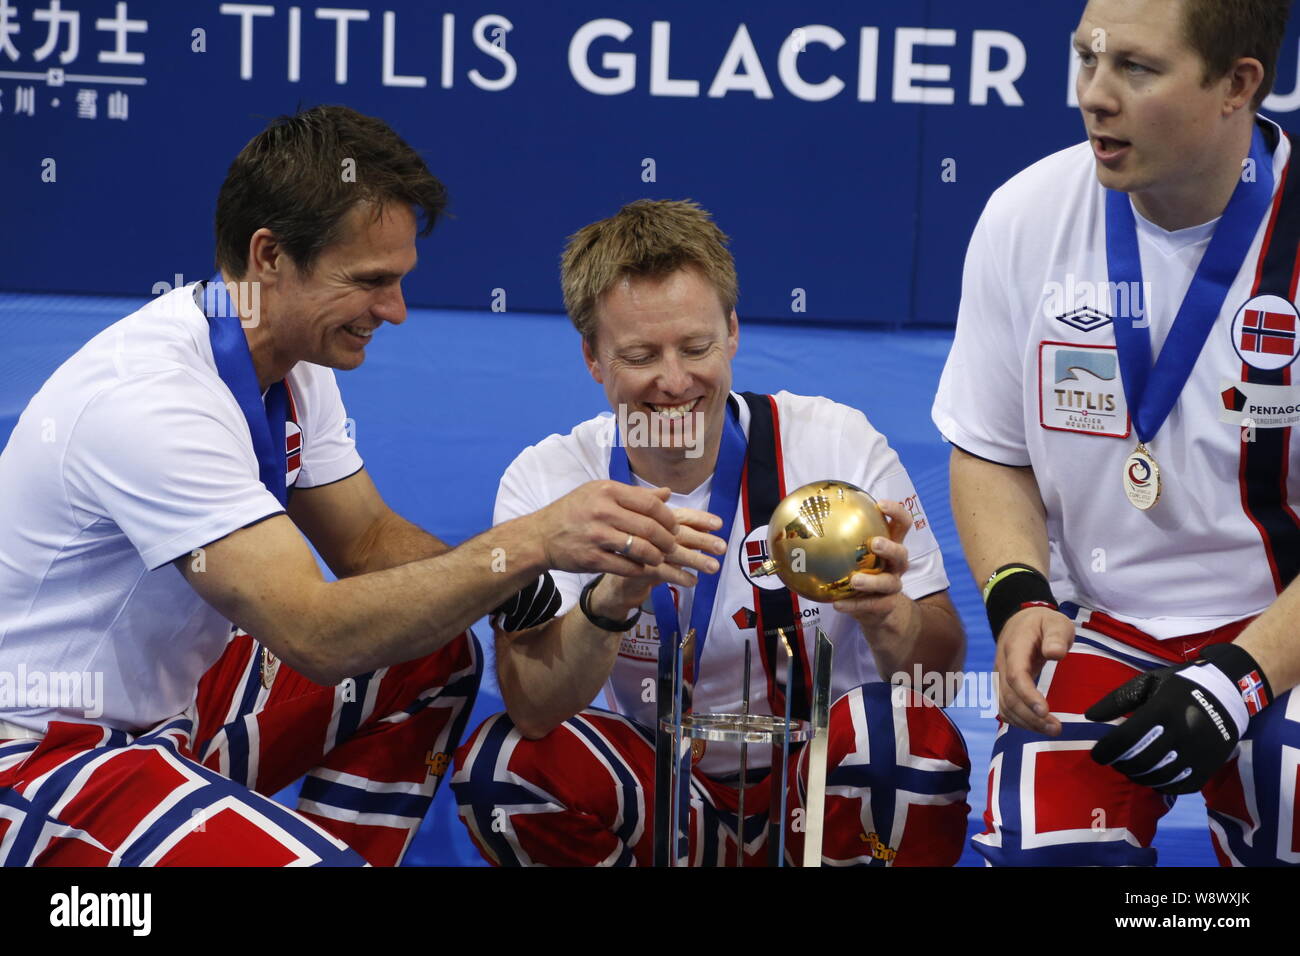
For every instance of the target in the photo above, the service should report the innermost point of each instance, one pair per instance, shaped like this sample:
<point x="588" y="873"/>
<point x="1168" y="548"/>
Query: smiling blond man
<point x="1140" y="436"/>
<point x="653" y="292"/>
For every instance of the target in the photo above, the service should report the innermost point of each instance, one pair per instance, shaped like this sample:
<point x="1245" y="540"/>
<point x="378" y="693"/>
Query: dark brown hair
<point x="1224" y="31"/>
<point x="292" y="178"/>
<point x="649" y="237"/>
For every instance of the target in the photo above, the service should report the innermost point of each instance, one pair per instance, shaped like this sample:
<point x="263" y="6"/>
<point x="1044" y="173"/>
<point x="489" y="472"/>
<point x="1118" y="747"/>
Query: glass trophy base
<point x="742" y="728"/>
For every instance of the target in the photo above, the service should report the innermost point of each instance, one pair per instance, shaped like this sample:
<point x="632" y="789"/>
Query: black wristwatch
<point x="604" y="623"/>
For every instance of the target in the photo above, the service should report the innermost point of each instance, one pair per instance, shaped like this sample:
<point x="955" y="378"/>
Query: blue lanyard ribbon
<point x="1152" y="391"/>
<point x="724" y="496"/>
<point x="235" y="366"/>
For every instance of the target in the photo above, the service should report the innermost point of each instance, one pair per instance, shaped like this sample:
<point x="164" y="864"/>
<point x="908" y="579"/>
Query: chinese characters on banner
<point x="60" y="33"/>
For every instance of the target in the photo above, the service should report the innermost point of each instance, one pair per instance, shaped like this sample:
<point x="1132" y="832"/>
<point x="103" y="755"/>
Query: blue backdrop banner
<point x="847" y="147"/>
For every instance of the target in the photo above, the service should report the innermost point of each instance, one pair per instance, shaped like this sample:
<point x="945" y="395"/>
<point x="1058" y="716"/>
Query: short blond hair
<point x="649" y="237"/>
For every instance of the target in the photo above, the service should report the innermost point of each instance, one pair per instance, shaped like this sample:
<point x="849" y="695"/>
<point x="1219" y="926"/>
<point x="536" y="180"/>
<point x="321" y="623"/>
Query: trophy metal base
<point x="741" y="728"/>
<point x="673" y="757"/>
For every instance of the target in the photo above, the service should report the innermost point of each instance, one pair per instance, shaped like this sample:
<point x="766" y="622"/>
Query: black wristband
<point x="604" y="623"/>
<point x="1011" y="588"/>
<point x="532" y="606"/>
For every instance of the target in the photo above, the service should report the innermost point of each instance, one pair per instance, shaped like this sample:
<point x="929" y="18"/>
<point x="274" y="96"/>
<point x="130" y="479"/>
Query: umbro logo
<point x="1085" y="320"/>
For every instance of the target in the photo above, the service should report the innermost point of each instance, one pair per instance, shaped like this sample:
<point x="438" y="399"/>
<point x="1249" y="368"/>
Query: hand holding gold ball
<point x="820" y="535"/>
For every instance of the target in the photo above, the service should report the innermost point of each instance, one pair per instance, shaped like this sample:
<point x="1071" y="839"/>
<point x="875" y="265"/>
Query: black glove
<point x="534" y="605"/>
<point x="1186" y="720"/>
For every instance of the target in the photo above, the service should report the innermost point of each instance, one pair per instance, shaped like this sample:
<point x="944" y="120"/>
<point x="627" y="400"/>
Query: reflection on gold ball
<point x="819" y="536"/>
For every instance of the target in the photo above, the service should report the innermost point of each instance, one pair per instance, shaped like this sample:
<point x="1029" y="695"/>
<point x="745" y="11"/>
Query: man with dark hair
<point x="1155" y="501"/>
<point x="304" y="173"/>
<point x="556" y="782"/>
<point x="159" y="487"/>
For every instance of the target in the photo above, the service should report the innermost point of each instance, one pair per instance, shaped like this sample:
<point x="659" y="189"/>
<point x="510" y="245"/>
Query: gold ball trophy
<point x="818" y="538"/>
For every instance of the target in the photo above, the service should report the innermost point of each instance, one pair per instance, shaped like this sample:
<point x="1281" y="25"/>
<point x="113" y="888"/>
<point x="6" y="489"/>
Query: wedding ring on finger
<point x="627" y="546"/>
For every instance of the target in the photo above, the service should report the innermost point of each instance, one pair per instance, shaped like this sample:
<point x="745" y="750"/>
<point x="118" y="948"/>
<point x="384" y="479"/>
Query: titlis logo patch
<point x="1085" y="320"/>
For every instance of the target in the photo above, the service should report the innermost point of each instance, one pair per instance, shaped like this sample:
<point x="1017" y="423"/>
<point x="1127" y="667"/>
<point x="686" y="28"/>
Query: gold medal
<point x="1141" y="478"/>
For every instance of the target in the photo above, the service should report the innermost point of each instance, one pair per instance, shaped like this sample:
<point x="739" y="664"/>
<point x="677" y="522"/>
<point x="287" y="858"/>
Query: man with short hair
<point x="159" y="487"/>
<point x="553" y="781"/>
<point x="1138" y="431"/>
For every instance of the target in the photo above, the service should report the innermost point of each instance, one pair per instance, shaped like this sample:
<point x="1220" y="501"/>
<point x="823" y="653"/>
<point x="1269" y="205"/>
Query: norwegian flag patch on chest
<point x="1264" y="332"/>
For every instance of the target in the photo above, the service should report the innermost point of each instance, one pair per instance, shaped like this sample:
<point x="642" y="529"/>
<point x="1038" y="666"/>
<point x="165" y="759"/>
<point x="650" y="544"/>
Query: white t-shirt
<point x="1033" y="379"/>
<point x="820" y="439"/>
<point x="133" y="453"/>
